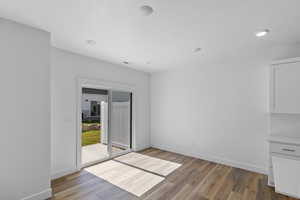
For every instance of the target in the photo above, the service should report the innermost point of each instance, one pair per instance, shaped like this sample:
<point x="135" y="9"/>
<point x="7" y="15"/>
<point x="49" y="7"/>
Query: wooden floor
<point x="194" y="180"/>
<point x="149" y="163"/>
<point x="130" y="179"/>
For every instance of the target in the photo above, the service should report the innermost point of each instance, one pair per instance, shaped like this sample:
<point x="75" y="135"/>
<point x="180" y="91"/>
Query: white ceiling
<point x="167" y="38"/>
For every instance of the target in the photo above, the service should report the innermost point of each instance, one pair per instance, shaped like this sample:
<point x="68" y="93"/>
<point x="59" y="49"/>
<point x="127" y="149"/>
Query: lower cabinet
<point x="286" y="175"/>
<point x="284" y="168"/>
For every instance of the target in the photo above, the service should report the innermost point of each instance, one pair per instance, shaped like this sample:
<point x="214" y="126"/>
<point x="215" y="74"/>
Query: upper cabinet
<point x="285" y="86"/>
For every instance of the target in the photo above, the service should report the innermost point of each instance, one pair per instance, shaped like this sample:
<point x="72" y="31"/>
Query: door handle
<point x="289" y="150"/>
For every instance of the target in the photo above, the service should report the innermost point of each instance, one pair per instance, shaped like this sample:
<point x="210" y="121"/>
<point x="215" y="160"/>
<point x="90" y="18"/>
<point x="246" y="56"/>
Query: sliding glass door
<point x="120" y="126"/>
<point x="106" y="124"/>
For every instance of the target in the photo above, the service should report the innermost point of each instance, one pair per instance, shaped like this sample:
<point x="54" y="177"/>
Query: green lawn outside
<point x="90" y="136"/>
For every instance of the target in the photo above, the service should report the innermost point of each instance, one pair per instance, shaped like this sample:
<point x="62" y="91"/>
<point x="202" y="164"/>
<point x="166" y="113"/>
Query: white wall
<point x="65" y="69"/>
<point x="217" y="113"/>
<point x="25" y="112"/>
<point x="285" y="124"/>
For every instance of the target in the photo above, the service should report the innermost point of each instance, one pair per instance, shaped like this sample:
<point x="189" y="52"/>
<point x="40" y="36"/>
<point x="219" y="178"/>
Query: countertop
<point x="284" y="138"/>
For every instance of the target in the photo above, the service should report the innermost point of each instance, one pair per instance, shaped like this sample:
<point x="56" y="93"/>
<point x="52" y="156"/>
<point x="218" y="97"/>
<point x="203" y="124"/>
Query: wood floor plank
<point x="70" y="181"/>
<point x="183" y="192"/>
<point x="201" y="173"/>
<point x="196" y="179"/>
<point x="240" y="177"/>
<point x="217" y="178"/>
<point x="77" y="190"/>
<point x="196" y="171"/>
<point x="235" y="196"/>
<point x="225" y="188"/>
<point x="161" y="192"/>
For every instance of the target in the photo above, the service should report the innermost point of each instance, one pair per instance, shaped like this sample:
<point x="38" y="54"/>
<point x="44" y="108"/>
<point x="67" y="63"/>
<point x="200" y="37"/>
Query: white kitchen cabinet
<point x="285" y="165"/>
<point x="286" y="175"/>
<point x="285" y="86"/>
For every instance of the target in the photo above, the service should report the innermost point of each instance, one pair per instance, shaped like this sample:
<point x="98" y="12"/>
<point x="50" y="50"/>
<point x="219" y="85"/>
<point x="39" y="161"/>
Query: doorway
<point x="105" y="124"/>
<point x="94" y="125"/>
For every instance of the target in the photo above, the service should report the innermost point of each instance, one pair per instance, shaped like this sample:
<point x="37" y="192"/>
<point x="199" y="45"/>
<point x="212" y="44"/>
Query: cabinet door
<point x="286" y="88"/>
<point x="286" y="175"/>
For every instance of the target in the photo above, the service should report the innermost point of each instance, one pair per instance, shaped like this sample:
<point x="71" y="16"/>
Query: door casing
<point x="107" y="85"/>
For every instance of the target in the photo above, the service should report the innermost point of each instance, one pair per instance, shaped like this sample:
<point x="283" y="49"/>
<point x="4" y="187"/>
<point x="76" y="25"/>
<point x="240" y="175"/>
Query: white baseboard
<point x="141" y="148"/>
<point x="232" y="163"/>
<point x="40" y="196"/>
<point x="286" y="194"/>
<point x="63" y="173"/>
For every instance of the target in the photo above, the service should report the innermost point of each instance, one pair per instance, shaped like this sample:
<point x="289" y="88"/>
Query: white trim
<point x="63" y="173"/>
<point x="272" y="93"/>
<point x="286" y="194"/>
<point x="142" y="148"/>
<point x="285" y="61"/>
<point x="40" y="196"/>
<point x="271" y="183"/>
<point x="107" y="85"/>
<point x="232" y="163"/>
<point x="120" y="145"/>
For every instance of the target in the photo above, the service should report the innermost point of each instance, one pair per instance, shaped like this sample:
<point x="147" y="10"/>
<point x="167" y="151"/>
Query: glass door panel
<point x="94" y="143"/>
<point x="120" y="114"/>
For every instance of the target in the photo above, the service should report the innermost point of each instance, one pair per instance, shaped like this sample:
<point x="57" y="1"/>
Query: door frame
<point x="95" y="83"/>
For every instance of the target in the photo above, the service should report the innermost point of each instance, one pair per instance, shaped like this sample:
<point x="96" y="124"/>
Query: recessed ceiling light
<point x="91" y="42"/>
<point x="262" y="33"/>
<point x="126" y="62"/>
<point x="197" y="49"/>
<point x="146" y="10"/>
